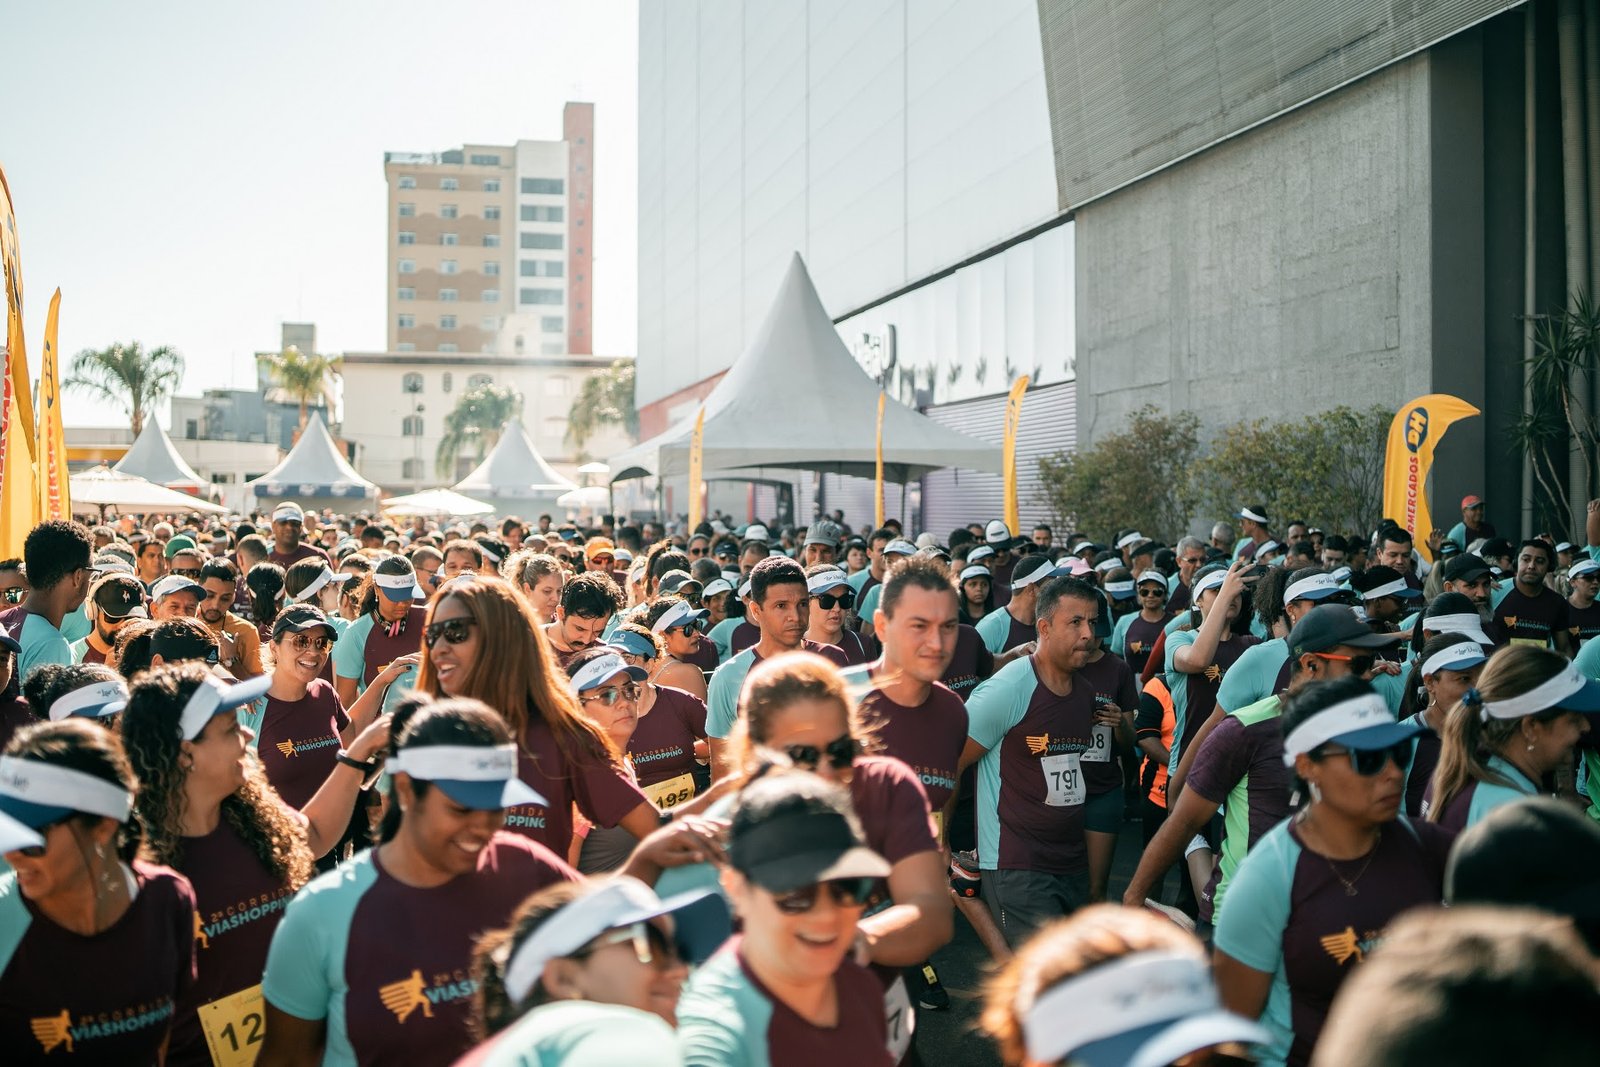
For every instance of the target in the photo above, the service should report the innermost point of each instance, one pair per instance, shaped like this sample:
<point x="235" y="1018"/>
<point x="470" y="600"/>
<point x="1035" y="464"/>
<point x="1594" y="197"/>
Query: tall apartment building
<point x="481" y="232"/>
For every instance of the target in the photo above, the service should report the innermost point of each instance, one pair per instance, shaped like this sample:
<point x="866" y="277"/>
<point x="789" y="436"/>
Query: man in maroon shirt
<point x="288" y="529"/>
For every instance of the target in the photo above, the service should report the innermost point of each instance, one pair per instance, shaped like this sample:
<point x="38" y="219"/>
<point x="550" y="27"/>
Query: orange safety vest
<point x="1157" y="687"/>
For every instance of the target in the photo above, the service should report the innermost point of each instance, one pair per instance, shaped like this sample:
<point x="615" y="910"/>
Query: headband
<point x="1246" y="513"/>
<point x="1138" y="991"/>
<point x="457" y="763"/>
<point x="1456" y="657"/>
<point x="1548" y="694"/>
<point x="1386" y="589"/>
<point x="93" y="701"/>
<point x="1347" y="716"/>
<point x="48" y="785"/>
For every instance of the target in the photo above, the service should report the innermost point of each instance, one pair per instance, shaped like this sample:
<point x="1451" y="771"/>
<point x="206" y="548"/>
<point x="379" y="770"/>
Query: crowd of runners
<point x="305" y="788"/>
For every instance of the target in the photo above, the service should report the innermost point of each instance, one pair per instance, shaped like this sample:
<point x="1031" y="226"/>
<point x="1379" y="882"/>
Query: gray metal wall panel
<point x="1133" y="87"/>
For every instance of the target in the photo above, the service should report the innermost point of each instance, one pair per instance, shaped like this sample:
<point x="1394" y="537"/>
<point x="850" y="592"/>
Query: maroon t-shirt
<point x="14" y="715"/>
<point x="240" y="903"/>
<point x="704" y="657"/>
<point x="298" y="740"/>
<point x="1140" y="639"/>
<point x="106" y="999"/>
<point x="91" y="653"/>
<point x="928" y="738"/>
<point x="302" y="551"/>
<point x="1583" y="623"/>
<point x="832" y="653"/>
<point x="1201" y="687"/>
<point x="1037" y="836"/>
<point x="398" y="930"/>
<point x="1019" y="633"/>
<point x="1251" y="753"/>
<point x="971" y="663"/>
<point x="893" y="809"/>
<point x="662" y="745"/>
<point x="1527" y="619"/>
<point x="1113" y="683"/>
<point x="1180" y="598"/>
<point x="1423" y="763"/>
<point x="603" y="792"/>
<point x="744" y="635"/>
<point x="383" y="647"/>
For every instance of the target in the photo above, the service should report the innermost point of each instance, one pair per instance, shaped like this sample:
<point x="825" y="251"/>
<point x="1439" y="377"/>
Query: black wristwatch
<point x="369" y="769"/>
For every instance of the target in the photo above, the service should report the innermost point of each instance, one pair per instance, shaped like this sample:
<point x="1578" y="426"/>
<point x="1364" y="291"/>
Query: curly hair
<point x="256" y="813"/>
<point x="131" y="652"/>
<point x="80" y="745"/>
<point x="492" y="1007"/>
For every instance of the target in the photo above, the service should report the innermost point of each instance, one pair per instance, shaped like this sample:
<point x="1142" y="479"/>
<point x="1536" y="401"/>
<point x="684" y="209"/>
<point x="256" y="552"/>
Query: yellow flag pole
<point x="19" y="501"/>
<point x="1013" y="420"/>
<point x="55" y="494"/>
<point x="877" y="495"/>
<point x="696" y="469"/>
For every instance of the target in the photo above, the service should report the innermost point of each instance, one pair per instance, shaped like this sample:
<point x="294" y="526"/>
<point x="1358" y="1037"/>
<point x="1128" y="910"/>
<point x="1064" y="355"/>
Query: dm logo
<point x="1416" y="428"/>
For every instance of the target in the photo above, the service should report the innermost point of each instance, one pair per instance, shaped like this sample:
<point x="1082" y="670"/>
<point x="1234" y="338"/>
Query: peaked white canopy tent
<point x="435" y="504"/>
<point x="797" y="400"/>
<point x="514" y="477"/>
<point x="314" y="474"/>
<point x="154" y="458"/>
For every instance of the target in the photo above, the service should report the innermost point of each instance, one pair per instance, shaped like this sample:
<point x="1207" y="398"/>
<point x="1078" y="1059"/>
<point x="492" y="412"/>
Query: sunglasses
<point x="1153" y="592"/>
<point x="691" y="627"/>
<point x="13" y="595"/>
<point x="696" y="553"/>
<point x="846" y="893"/>
<point x="828" y="601"/>
<point x="1358" y="664"/>
<point x="651" y="946"/>
<point x="840" y="753"/>
<point x="34" y="852"/>
<point x="454" y="631"/>
<point x="612" y="696"/>
<point x="304" y="642"/>
<point x="1369" y="761"/>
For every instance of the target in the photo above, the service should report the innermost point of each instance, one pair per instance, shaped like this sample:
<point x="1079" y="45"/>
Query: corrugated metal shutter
<point x="953" y="498"/>
<point x="853" y="496"/>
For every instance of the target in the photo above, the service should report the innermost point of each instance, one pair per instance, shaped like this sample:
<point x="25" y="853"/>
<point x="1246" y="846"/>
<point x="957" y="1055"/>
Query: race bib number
<point x="901" y="1019"/>
<point x="1531" y="642"/>
<point x="234" y="1027"/>
<point x="1101" y="741"/>
<point x="1063" y="780"/>
<point x="670" y="793"/>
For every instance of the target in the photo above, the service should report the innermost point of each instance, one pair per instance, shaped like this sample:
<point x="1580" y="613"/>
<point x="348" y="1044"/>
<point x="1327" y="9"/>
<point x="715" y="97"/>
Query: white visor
<point x="677" y="615"/>
<point x="1246" y="513"/>
<point x="1122" y="589"/>
<point x="92" y="701"/>
<point x="1106" y="566"/>
<point x="50" y="786"/>
<point x="1153" y="576"/>
<point x="1457" y="657"/>
<point x="1213" y="580"/>
<point x="1541" y="697"/>
<point x="398" y="585"/>
<point x="823" y="581"/>
<point x="1130" y="540"/>
<point x="714" y="587"/>
<point x="1583" y="566"/>
<point x="977" y="570"/>
<point x="981" y="552"/>
<point x="600" y="668"/>
<point x="215" y="696"/>
<point x="458" y="763"/>
<point x="744" y="589"/>
<point x="1267" y="546"/>
<point x="1313" y="588"/>
<point x="1463" y="624"/>
<point x="1394" y="588"/>
<point x="319" y="582"/>
<point x="1348" y="716"/>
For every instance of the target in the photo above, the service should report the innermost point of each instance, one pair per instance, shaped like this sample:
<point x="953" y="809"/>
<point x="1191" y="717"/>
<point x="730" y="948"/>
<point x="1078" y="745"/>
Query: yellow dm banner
<point x="1415" y="432"/>
<point x="1013" y="420"/>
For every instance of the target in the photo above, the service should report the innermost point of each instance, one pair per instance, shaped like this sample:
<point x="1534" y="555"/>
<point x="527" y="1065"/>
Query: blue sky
<point x="193" y="174"/>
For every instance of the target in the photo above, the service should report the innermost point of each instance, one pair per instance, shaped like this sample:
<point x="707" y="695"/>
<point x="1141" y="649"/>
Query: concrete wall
<point x="1282" y="272"/>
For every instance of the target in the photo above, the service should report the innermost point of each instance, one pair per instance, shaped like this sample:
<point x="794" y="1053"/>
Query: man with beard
<point x="288" y="526"/>
<point x="1469" y="575"/>
<point x="113" y="600"/>
<point x="239" y="645"/>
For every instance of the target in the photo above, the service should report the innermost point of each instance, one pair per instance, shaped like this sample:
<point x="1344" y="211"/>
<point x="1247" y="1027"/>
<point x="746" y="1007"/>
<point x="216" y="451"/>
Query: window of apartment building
<point x="411" y="383"/>
<point x="545" y="186"/>
<point x="490" y="322"/>
<point x="539" y="296"/>
<point x="491" y="185"/>
<point x="449" y="239"/>
<point x="484" y="160"/>
<point x="405" y="346"/>
<point x="405" y="292"/>
<point x="552" y="324"/>
<point x="405" y="322"/>
<point x="411" y="469"/>
<point x="408" y="266"/>
<point x="448" y="266"/>
<point x="491" y="266"/>
<point x="491" y="240"/>
<point x="541" y="213"/>
<point x="542" y="240"/>
<point x="445" y="381"/>
<point x="407" y="210"/>
<point x="449" y="184"/>
<point x="448" y="346"/>
<point x="411" y="426"/>
<point x="407" y="182"/>
<point x="407" y="237"/>
<point x="541" y="268"/>
<point x="490" y="296"/>
<point x="449" y="296"/>
<point x="449" y="211"/>
<point x="447" y="322"/>
<point x="479" y="379"/>
<point x="492" y="211"/>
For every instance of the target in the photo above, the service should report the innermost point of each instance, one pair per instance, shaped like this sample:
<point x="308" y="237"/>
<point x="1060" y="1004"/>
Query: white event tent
<point x="514" y="477"/>
<point x="153" y="457"/>
<point x="314" y="474"/>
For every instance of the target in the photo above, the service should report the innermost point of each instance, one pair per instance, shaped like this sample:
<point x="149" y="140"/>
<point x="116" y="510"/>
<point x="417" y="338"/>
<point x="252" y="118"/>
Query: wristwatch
<point x="369" y="769"/>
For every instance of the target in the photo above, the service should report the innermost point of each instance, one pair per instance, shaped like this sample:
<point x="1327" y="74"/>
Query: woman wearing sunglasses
<point x="668" y="750"/>
<point x="1136" y="632"/>
<point x="1113" y="987"/>
<point x="682" y="628"/>
<point x="1314" y="894"/>
<point x="372" y="961"/>
<point x="832" y="600"/>
<point x="482" y="642"/>
<point x="88" y="933"/>
<point x="785" y="992"/>
<point x="609" y="690"/>
<point x="1518" y="726"/>
<point x="389" y="627"/>
<point x="1446" y="667"/>
<point x="591" y="974"/>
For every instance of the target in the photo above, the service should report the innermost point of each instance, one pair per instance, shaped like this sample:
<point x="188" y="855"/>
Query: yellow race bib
<point x="235" y="1026"/>
<point x="670" y="793"/>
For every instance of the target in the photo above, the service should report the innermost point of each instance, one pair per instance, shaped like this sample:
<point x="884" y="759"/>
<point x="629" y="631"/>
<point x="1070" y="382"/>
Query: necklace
<point x="1350" y="883"/>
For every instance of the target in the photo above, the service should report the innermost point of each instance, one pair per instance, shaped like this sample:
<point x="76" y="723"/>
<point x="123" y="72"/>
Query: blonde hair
<point x="775" y="684"/>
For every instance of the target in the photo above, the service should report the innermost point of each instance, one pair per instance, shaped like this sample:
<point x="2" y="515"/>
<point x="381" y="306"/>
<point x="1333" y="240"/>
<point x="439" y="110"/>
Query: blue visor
<point x="1586" y="700"/>
<point x="34" y="816"/>
<point x="632" y="644"/>
<point x="1377" y="737"/>
<point x="15" y="835"/>
<point x="493" y="795"/>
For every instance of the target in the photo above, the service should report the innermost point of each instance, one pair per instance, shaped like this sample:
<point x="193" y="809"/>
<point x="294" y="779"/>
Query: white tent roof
<point x="435" y="503"/>
<point x="103" y="486"/>
<point x="797" y="399"/>
<point x="513" y="469"/>
<point x="153" y="458"/>
<point x="314" y="467"/>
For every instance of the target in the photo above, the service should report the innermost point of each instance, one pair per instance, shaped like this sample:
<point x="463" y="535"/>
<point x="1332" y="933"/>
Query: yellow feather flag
<point x="877" y="496"/>
<point x="696" y="470"/>
<point x="19" y="503"/>
<point x="1013" y="420"/>
<point x="1415" y="432"/>
<point x="55" y="492"/>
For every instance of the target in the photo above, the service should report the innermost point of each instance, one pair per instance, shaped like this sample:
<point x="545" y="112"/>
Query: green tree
<point x="1136" y="477"/>
<point x="303" y="378"/>
<point x="127" y="375"/>
<point x="475" y="423"/>
<point x="1559" y="430"/>
<point x="606" y="399"/>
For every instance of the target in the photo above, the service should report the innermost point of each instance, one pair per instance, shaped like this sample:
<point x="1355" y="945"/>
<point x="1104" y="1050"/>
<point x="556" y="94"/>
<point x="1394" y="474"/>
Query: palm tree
<point x="606" y="399"/>
<point x="128" y="376"/>
<point x="479" y="415"/>
<point x="302" y="378"/>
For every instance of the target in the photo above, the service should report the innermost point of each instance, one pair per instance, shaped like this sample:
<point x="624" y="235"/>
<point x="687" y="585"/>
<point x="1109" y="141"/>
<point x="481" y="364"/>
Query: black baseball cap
<point x="299" y="618"/>
<point x="1331" y="625"/>
<point x="174" y="644"/>
<point x="119" y="596"/>
<point x="791" y="831"/>
<point x="1465" y="568"/>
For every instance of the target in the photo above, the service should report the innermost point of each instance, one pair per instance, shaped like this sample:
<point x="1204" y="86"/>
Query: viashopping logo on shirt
<point x="240" y="914"/>
<point x="528" y="816"/>
<point x="414" y="992"/>
<point x="1045" y="745"/>
<point x="58" y="1031"/>
<point x="292" y="747"/>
